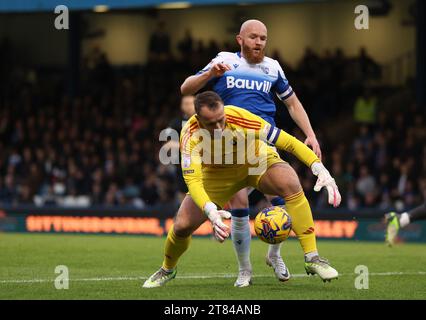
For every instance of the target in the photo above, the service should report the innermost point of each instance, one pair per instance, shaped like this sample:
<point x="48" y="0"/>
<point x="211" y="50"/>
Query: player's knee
<point x="289" y="187"/>
<point x="239" y="204"/>
<point x="239" y="201"/>
<point x="183" y="229"/>
<point x="294" y="186"/>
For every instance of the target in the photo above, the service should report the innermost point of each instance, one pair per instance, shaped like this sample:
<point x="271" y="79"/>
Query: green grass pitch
<point x="114" y="267"/>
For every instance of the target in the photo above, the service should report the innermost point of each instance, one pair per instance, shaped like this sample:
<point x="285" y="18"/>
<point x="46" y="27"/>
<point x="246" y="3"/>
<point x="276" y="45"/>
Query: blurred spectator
<point x="368" y="67"/>
<point x="365" y="108"/>
<point x="366" y="184"/>
<point x="186" y="45"/>
<point x="8" y="190"/>
<point x="149" y="190"/>
<point x="159" y="44"/>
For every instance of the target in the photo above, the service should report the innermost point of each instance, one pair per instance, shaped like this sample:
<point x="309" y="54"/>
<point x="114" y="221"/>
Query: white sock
<point x="310" y="255"/>
<point x="241" y="237"/>
<point x="404" y="220"/>
<point x="274" y="250"/>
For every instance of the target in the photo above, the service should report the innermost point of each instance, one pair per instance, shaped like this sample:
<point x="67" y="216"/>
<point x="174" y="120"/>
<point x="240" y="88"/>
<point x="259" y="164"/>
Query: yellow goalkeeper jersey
<point x="214" y="168"/>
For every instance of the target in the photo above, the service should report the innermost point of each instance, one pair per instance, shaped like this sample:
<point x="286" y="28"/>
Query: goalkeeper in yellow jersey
<point x="225" y="149"/>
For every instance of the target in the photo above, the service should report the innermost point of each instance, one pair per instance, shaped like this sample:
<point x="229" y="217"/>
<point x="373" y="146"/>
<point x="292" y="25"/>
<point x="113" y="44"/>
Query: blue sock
<point x="240" y="212"/>
<point x="278" y="201"/>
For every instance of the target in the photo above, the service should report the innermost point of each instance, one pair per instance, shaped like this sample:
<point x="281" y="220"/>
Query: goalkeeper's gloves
<point x="326" y="180"/>
<point x="221" y="230"/>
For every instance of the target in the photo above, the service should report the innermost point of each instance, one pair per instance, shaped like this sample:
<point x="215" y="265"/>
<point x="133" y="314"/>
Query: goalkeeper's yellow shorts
<point x="222" y="182"/>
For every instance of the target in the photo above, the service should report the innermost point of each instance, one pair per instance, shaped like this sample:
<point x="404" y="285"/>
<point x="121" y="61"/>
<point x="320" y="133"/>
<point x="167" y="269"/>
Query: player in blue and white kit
<point x="249" y="79"/>
<point x="250" y="85"/>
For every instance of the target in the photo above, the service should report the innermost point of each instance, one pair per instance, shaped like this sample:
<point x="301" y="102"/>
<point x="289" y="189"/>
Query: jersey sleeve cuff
<point x="209" y="206"/>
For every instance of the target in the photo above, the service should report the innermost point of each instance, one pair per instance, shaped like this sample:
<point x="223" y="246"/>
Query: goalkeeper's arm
<point x="284" y="141"/>
<point x="193" y="176"/>
<point x="202" y="200"/>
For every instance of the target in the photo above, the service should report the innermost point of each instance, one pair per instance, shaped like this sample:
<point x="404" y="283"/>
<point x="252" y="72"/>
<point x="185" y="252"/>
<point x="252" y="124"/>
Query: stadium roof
<point x="49" y="5"/>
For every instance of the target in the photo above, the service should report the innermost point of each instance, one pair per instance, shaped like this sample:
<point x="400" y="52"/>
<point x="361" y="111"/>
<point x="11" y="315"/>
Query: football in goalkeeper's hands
<point x="273" y="224"/>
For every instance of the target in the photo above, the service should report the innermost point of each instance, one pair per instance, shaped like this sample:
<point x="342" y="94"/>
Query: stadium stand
<point x="101" y="147"/>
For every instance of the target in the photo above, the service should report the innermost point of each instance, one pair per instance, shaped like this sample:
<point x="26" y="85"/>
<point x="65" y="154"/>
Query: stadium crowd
<point x="383" y="165"/>
<point x="101" y="147"/>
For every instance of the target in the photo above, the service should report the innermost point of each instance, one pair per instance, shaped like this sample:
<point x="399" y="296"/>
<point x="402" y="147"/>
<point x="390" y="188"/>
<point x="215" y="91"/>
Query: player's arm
<point x="295" y="108"/>
<point x="193" y="176"/>
<point x="284" y="141"/>
<point x="194" y="83"/>
<point x="216" y="68"/>
<point x="308" y="157"/>
<point x="192" y="169"/>
<point x="299" y="115"/>
<point x="272" y="134"/>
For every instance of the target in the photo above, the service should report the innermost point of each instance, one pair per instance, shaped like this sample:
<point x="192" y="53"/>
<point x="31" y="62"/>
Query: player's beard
<point x="251" y="56"/>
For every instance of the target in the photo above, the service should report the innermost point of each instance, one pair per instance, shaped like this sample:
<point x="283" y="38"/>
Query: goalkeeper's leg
<point x="281" y="179"/>
<point x="188" y="218"/>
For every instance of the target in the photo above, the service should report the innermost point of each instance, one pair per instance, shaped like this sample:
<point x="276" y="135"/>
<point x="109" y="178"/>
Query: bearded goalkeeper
<point x="212" y="179"/>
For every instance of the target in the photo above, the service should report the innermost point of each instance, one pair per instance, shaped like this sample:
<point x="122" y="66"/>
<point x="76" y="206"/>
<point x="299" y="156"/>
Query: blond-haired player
<point x="214" y="169"/>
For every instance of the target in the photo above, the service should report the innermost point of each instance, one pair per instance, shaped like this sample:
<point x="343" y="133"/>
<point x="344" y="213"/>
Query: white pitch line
<point x="211" y="276"/>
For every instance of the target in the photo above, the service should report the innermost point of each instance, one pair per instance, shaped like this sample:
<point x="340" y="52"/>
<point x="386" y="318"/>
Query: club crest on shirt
<point x="264" y="69"/>
<point x="186" y="161"/>
<point x="236" y="65"/>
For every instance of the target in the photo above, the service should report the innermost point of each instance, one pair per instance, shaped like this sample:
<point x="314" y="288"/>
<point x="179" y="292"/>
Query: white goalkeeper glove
<point x="326" y="180"/>
<point x="221" y="230"/>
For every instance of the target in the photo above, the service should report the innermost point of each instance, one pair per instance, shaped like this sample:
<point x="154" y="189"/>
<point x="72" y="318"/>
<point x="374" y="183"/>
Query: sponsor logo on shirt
<point x="232" y="82"/>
